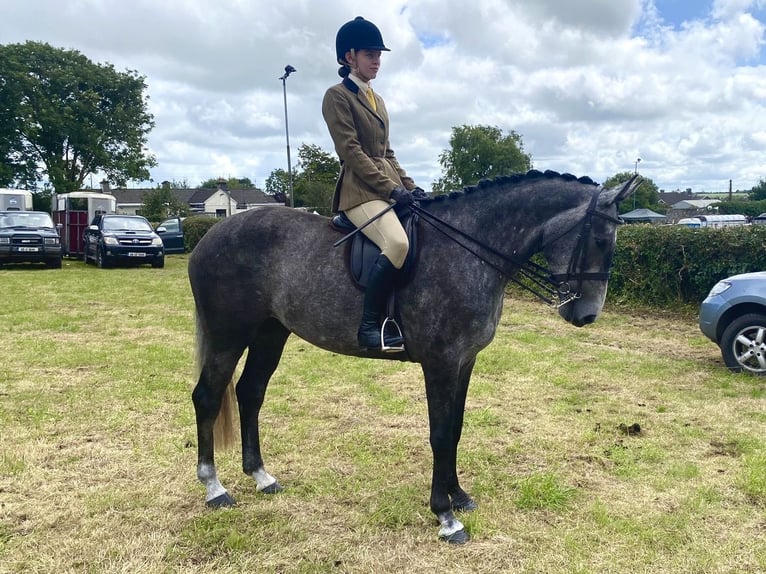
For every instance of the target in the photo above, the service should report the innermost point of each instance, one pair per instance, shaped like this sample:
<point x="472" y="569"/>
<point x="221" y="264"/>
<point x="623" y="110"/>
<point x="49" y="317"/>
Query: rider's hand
<point x="402" y="196"/>
<point x="419" y="193"/>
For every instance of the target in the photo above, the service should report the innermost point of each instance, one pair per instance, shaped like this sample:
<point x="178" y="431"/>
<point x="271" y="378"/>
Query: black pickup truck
<point x="128" y="239"/>
<point x="29" y="237"/>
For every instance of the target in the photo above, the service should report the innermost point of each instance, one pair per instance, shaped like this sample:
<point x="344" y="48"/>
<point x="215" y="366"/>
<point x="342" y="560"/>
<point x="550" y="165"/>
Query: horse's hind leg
<point x="215" y="375"/>
<point x="262" y="359"/>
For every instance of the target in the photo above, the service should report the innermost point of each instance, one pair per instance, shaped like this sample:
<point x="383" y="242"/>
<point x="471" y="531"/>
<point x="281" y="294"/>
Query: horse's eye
<point x="601" y="242"/>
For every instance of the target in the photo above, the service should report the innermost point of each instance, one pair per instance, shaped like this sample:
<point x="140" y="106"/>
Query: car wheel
<point x="159" y="262"/>
<point x="101" y="260"/>
<point x="53" y="263"/>
<point x="85" y="254"/>
<point x="743" y="344"/>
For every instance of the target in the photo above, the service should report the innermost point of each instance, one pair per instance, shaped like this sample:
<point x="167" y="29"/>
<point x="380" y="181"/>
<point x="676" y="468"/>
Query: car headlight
<point x="110" y="240"/>
<point x="5" y="240"/>
<point x="719" y="288"/>
<point x="51" y="241"/>
<point x="157" y="242"/>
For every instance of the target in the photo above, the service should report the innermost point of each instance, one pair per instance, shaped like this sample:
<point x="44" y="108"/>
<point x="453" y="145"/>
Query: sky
<point x="591" y="86"/>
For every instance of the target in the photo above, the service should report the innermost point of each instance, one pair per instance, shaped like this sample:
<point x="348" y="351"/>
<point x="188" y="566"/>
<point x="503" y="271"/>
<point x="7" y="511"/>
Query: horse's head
<point x="580" y="256"/>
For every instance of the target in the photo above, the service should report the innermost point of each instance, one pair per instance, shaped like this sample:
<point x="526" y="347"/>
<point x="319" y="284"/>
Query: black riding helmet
<point x="358" y="34"/>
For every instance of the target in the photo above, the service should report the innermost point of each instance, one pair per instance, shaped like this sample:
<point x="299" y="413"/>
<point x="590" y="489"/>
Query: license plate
<point x="136" y="254"/>
<point x="29" y="249"/>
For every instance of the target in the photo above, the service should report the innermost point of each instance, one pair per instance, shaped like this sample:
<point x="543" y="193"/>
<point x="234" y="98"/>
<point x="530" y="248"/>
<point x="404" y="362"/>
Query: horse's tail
<point x="224" y="431"/>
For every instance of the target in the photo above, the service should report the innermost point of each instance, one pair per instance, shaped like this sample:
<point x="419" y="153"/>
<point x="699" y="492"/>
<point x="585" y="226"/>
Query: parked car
<point x="29" y="237"/>
<point x="112" y="239"/>
<point x="171" y="231"/>
<point x="734" y="316"/>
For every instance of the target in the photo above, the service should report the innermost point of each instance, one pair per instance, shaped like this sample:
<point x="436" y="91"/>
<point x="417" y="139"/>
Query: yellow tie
<point x="371" y="99"/>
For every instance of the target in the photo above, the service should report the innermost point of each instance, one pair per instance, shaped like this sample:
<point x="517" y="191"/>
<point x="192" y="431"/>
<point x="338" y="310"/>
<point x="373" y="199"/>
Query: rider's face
<point x="364" y="63"/>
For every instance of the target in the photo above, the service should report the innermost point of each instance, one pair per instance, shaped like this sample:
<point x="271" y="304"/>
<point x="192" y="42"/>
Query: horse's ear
<point x="628" y="188"/>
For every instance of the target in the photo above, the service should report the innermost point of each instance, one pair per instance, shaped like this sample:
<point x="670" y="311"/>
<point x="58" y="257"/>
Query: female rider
<point x="370" y="177"/>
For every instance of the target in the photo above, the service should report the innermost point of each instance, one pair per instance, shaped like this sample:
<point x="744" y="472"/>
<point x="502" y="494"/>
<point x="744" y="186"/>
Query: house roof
<point x="671" y="197"/>
<point x="189" y="196"/>
<point x="695" y="203"/>
<point x="642" y="214"/>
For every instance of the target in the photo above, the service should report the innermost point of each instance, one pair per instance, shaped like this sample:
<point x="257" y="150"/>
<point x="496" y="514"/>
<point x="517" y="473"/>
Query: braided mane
<point x="515" y="178"/>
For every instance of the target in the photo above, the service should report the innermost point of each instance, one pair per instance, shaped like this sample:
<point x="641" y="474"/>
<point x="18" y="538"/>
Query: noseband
<point x="553" y="289"/>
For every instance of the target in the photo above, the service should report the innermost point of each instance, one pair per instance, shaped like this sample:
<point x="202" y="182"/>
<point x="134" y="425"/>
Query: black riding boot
<point x="379" y="285"/>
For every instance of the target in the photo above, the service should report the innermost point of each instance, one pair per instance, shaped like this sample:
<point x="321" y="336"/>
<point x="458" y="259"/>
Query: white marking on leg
<point x="207" y="475"/>
<point x="450" y="525"/>
<point x="262" y="479"/>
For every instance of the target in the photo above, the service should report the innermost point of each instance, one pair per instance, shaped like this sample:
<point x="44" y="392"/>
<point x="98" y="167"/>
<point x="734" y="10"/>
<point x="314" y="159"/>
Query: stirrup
<point x="394" y="333"/>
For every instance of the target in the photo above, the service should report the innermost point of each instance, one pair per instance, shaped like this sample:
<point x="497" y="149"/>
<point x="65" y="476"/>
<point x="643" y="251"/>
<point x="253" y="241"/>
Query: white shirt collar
<point x="364" y="86"/>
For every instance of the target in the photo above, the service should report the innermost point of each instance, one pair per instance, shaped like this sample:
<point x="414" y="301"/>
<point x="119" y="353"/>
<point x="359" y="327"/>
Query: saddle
<point x="362" y="255"/>
<point x="363" y="252"/>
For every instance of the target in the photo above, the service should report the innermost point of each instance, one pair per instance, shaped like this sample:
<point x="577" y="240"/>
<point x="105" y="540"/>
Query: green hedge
<point x="673" y="265"/>
<point x="195" y="228"/>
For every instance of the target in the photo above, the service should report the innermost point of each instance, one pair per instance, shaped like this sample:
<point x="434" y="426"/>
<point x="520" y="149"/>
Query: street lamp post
<point x="635" y="172"/>
<point x="288" y="70"/>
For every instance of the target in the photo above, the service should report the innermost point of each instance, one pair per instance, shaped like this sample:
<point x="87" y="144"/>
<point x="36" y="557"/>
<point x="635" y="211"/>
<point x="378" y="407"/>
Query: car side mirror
<point x="160" y="229"/>
<point x="93" y="228"/>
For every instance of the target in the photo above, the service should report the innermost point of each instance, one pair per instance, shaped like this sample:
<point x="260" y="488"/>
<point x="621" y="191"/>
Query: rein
<point x="553" y="289"/>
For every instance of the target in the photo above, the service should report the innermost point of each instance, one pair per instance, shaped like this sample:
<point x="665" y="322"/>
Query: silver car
<point x="734" y="316"/>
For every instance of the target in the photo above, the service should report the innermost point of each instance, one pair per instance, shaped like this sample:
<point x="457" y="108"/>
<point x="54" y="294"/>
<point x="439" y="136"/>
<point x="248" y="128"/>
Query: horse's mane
<point x="513" y="179"/>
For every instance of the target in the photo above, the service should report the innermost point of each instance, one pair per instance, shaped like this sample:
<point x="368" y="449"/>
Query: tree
<point x="478" y="152"/>
<point x="63" y="118"/>
<point x="161" y="203"/>
<point x="758" y="192"/>
<point x="232" y="183"/>
<point x="646" y="196"/>
<point x="314" y="185"/>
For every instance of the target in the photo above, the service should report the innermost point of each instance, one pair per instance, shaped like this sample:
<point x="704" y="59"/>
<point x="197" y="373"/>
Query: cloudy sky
<point x="591" y="85"/>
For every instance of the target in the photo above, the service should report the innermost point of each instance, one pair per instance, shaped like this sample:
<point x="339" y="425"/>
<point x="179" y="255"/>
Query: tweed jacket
<point x="369" y="169"/>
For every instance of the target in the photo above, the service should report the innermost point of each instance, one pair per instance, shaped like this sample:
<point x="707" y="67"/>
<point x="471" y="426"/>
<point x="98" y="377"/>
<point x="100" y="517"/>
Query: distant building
<point x="670" y="197"/>
<point x="691" y="207"/>
<point x="217" y="202"/>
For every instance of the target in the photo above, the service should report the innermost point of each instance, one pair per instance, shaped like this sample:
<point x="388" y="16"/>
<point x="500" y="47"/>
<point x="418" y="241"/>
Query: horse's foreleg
<point x="207" y="397"/>
<point x="443" y="393"/>
<point x="262" y="360"/>
<point x="461" y="500"/>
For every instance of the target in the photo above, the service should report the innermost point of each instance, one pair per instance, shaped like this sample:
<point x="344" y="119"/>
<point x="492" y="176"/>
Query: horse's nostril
<point x="582" y="321"/>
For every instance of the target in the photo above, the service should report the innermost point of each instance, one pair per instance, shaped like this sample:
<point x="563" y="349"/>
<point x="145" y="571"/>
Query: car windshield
<point x="126" y="224"/>
<point x="25" y="219"/>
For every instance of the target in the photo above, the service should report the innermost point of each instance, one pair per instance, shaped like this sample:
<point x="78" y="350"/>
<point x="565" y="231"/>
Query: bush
<point x="673" y="265"/>
<point x="195" y="228"/>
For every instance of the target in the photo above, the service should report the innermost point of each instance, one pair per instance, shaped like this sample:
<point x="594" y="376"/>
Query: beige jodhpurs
<point x="386" y="232"/>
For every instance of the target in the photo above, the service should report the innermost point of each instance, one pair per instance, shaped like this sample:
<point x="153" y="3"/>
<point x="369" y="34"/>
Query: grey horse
<point x="265" y="273"/>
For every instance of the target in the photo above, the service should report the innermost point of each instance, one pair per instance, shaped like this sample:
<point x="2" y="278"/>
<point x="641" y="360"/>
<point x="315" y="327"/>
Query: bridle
<point x="554" y="289"/>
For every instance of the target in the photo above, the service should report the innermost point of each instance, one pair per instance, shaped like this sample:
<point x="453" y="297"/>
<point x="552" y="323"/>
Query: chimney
<point x="105" y="186"/>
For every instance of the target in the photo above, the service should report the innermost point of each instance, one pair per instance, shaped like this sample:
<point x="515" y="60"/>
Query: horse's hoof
<point x="459" y="537"/>
<point x="273" y="488"/>
<point x="467" y="505"/>
<point x="222" y="501"/>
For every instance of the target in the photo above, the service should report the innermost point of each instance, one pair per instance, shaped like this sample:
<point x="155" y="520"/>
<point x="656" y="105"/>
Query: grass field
<point x="621" y="447"/>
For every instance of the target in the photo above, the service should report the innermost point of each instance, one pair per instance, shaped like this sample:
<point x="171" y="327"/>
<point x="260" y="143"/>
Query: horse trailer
<point x="74" y="212"/>
<point x="714" y="221"/>
<point x="15" y="200"/>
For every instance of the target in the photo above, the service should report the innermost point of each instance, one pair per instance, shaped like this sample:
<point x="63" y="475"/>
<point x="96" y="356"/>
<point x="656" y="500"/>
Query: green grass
<point x="98" y="450"/>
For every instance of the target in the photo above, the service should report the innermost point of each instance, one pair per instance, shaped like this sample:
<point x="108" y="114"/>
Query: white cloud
<point x="590" y="85"/>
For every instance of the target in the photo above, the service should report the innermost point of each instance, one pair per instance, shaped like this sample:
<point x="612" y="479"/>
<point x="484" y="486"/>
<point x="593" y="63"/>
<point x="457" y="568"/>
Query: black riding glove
<point x="419" y="193"/>
<point x="402" y="196"/>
